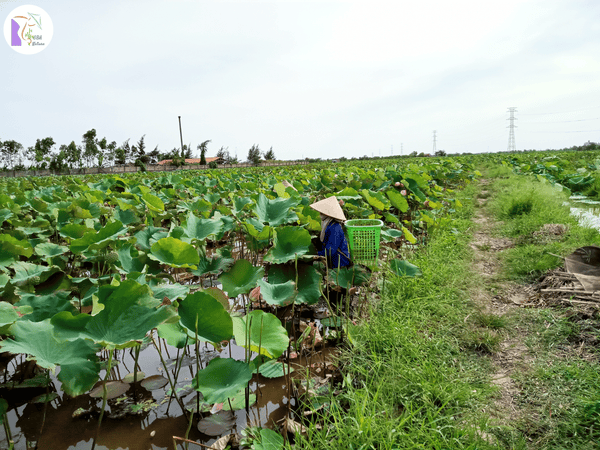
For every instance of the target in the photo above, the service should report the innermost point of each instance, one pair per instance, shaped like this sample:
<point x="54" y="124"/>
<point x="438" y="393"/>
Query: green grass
<point x="414" y="376"/>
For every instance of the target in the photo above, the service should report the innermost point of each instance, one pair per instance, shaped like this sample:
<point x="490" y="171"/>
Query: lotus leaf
<point x="275" y="212"/>
<point x="8" y="316"/>
<point x="31" y="274"/>
<point x="288" y="242"/>
<point x="153" y="202"/>
<point x="204" y="313"/>
<point x="74" y="230"/>
<point x="274" y="369"/>
<point x="222" y="378"/>
<point x="97" y="240"/>
<point x="200" y="229"/>
<point x="265" y="332"/>
<point x="5" y="214"/>
<point x="212" y="265"/>
<point x="45" y="306"/>
<point x="217" y="424"/>
<point x="114" y="389"/>
<point x="148" y="236"/>
<point x="124" y="320"/>
<point x="49" y="250"/>
<point x="238" y="401"/>
<point x="79" y="366"/>
<point x="404" y="268"/>
<point x="240" y="278"/>
<point x="154" y="382"/>
<point x="347" y="277"/>
<point x="309" y="280"/>
<point x="170" y="291"/>
<point x="173" y="333"/>
<point x="219" y="295"/>
<point x="398" y="200"/>
<point x="376" y="199"/>
<point x="128" y="262"/>
<point x="281" y="294"/>
<point x="129" y="378"/>
<point x="174" y="253"/>
<point x="239" y="204"/>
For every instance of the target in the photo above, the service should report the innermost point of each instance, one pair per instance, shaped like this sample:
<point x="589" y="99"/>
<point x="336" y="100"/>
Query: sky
<point x="311" y="79"/>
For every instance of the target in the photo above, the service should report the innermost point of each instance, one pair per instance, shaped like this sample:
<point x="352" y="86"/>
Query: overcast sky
<point x="309" y="78"/>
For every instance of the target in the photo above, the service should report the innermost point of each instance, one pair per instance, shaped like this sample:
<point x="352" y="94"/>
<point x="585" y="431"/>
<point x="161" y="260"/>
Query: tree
<point x="11" y="153"/>
<point x="440" y="153"/>
<point x="202" y="147"/>
<point x="254" y="155"/>
<point x="270" y="155"/>
<point x="90" y="146"/>
<point x="41" y="153"/>
<point x="72" y="154"/>
<point x="139" y="152"/>
<point x="223" y="154"/>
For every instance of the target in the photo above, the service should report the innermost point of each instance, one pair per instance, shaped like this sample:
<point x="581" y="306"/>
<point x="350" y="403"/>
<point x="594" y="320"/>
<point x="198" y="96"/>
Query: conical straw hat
<point x="330" y="207"/>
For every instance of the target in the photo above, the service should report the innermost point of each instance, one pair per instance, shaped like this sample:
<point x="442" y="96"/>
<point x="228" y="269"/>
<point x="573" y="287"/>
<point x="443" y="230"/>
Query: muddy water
<point x="163" y="419"/>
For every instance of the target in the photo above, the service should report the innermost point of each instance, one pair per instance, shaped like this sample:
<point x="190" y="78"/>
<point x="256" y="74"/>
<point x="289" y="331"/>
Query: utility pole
<point x="401" y="149"/>
<point x="512" y="147"/>
<point x="434" y="142"/>
<point x="392" y="151"/>
<point x="181" y="136"/>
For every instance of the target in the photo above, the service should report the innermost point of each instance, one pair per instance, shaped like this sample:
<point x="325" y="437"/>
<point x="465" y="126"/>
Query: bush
<point x="213" y="165"/>
<point x="518" y="207"/>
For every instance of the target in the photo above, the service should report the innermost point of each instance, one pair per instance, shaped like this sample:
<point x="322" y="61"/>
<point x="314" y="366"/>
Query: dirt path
<point x="498" y="298"/>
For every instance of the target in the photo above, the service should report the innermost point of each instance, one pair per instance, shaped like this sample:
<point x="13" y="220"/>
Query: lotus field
<point x="212" y="272"/>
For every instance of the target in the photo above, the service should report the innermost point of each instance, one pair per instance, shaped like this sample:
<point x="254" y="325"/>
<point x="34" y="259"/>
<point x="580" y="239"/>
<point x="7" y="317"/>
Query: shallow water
<point x="587" y="211"/>
<point x="63" y="432"/>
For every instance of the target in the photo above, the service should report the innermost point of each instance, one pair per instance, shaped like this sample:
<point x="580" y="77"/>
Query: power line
<point x="512" y="147"/>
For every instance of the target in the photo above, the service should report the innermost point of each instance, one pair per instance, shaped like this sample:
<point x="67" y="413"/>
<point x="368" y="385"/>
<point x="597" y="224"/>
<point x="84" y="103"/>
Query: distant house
<point x="194" y="160"/>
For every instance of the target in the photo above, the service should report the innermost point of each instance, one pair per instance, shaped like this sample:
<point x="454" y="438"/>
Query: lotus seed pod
<point x="35" y="280"/>
<point x="112" y="257"/>
<point x="75" y="289"/>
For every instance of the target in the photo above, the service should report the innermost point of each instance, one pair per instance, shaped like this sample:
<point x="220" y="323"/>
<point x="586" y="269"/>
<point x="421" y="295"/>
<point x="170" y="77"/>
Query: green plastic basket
<point x="363" y="238"/>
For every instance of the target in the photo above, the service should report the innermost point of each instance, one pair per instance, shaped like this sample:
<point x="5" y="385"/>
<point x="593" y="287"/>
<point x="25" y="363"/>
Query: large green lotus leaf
<point x="45" y="306"/>
<point x="413" y="186"/>
<point x="240" y="278"/>
<point x="376" y="199"/>
<point x="348" y="194"/>
<point x="126" y="217"/>
<point x="275" y="212"/>
<point x="309" y="280"/>
<point x="239" y="204"/>
<point x="32" y="274"/>
<point x="204" y="312"/>
<point x="409" y="236"/>
<point x="5" y="214"/>
<point x="49" y="250"/>
<point x="11" y="247"/>
<point x="212" y="265"/>
<point x="174" y="253"/>
<point x="390" y="234"/>
<point x="127" y="316"/>
<point x="153" y="202"/>
<point x="265" y="332"/>
<point x="148" y="236"/>
<point x="100" y="239"/>
<point x="256" y="229"/>
<point x="8" y="316"/>
<point x="404" y="268"/>
<point x="281" y="294"/>
<point x="173" y="333"/>
<point x="347" y="277"/>
<point x="171" y="291"/>
<point x="288" y="242"/>
<point x="200" y="229"/>
<point x="128" y="262"/>
<point x="79" y="366"/>
<point x="398" y="200"/>
<point x="74" y="230"/>
<point x="222" y="378"/>
<point x="310" y="217"/>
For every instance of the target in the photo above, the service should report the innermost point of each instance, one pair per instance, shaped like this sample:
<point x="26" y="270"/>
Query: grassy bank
<point x="414" y="377"/>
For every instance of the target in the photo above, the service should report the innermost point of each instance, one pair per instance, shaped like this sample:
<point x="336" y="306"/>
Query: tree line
<point x="96" y="152"/>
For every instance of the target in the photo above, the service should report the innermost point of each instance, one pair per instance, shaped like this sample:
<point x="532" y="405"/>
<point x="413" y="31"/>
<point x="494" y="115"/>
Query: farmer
<point x="332" y="242"/>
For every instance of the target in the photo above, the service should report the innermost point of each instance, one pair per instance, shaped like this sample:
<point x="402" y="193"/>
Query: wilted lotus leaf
<point x="128" y="314"/>
<point x="240" y="278"/>
<point x="174" y="253"/>
<point x="281" y="294"/>
<point x="309" y="280"/>
<point x="221" y="379"/>
<point x="203" y="313"/>
<point x="404" y="268"/>
<point x="114" y="389"/>
<point x="77" y="358"/>
<point x="288" y="242"/>
<point x="154" y="382"/>
<point x="275" y="212"/>
<point x="200" y="229"/>
<point x="97" y="240"/>
<point x="217" y="424"/>
<point x="266" y="333"/>
<point x="131" y="376"/>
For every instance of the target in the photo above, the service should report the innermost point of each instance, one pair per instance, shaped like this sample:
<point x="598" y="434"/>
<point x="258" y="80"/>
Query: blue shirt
<point x="335" y="240"/>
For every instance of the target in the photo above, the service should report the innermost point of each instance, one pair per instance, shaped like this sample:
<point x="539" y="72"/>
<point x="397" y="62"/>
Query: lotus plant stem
<point x="176" y="373"/>
<point x="46" y="401"/>
<point x="104" y="395"/>
<point x="188" y="441"/>
<point x="259" y="349"/>
<point x="247" y="361"/>
<point x="135" y="371"/>
<point x="187" y="432"/>
<point x="173" y="391"/>
<point x="197" y="370"/>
